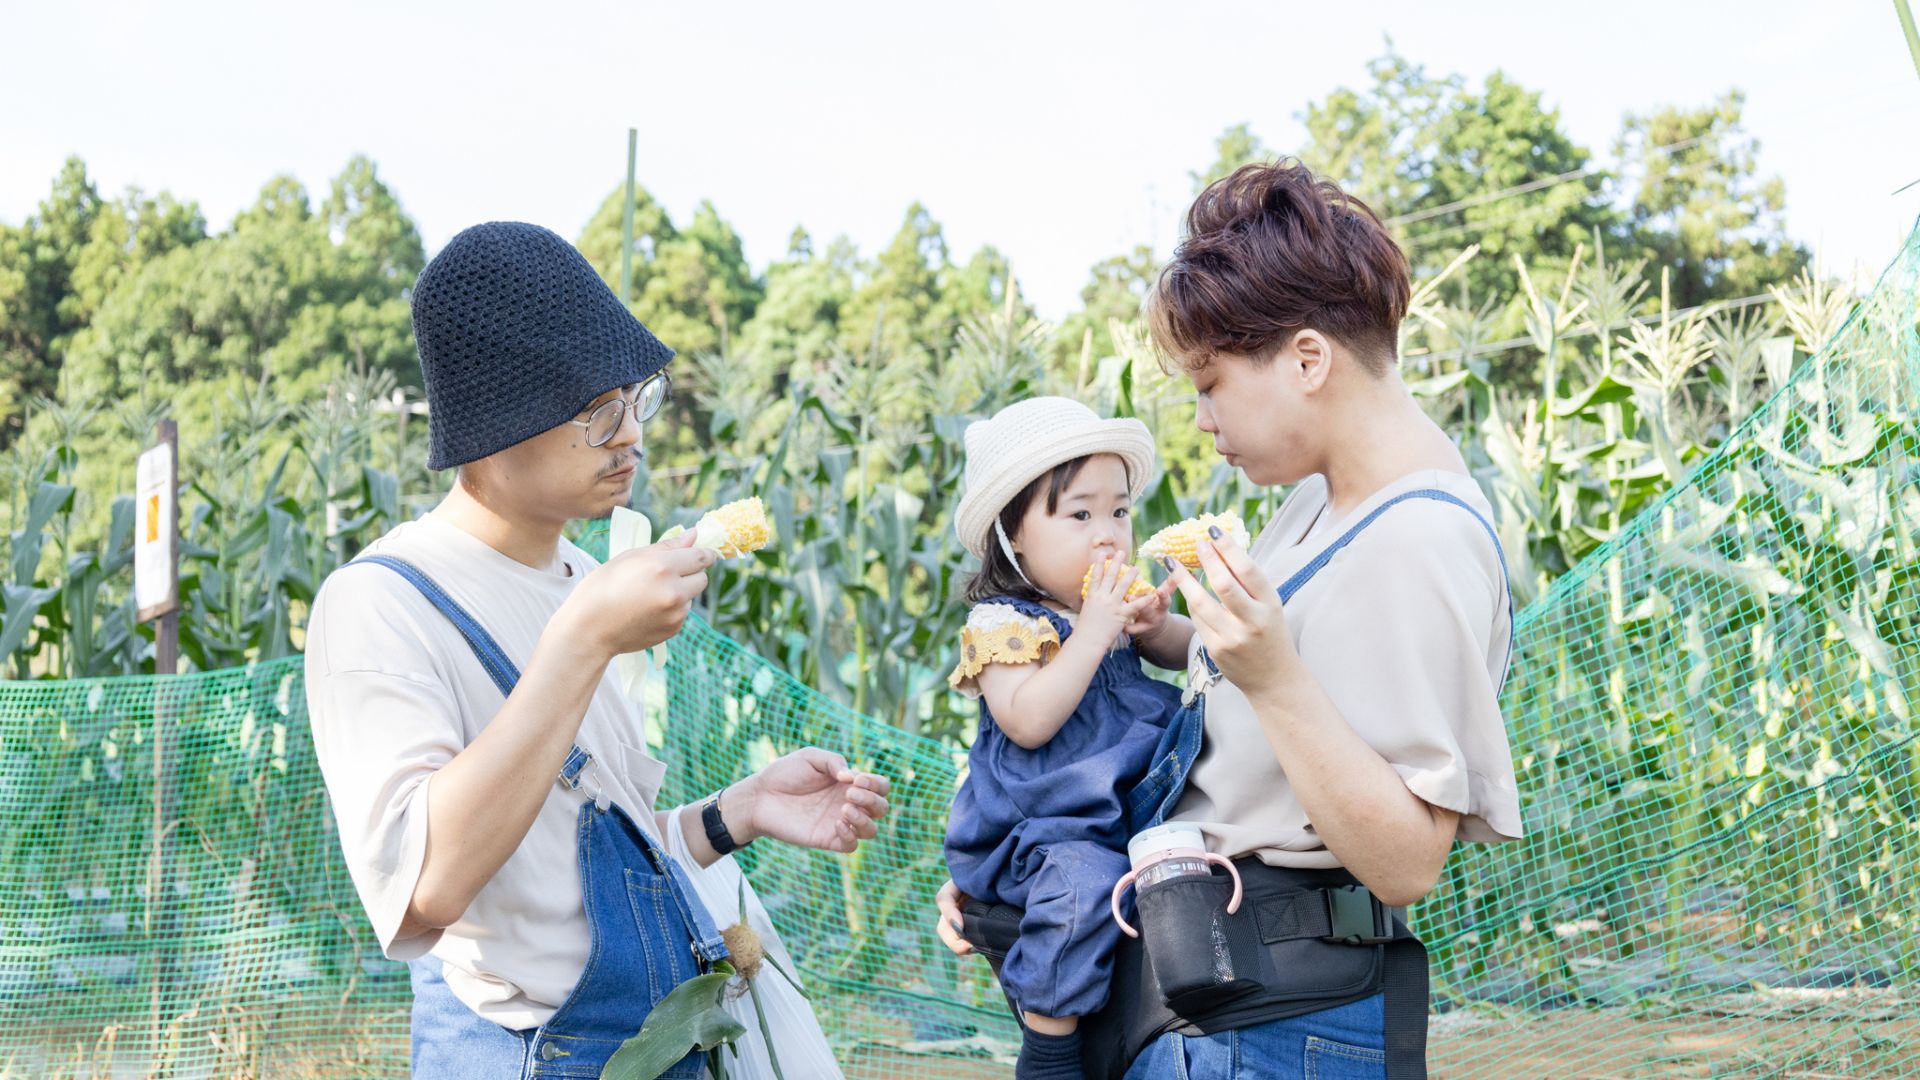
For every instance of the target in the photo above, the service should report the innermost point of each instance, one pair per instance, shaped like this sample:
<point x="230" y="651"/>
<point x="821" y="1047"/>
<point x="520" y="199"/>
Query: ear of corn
<point x="1140" y="587"/>
<point x="1182" y="541"/>
<point x="731" y="530"/>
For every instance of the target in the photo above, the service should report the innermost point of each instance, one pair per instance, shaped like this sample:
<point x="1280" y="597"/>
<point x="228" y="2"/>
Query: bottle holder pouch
<point x="1201" y="957"/>
<point x="1133" y="875"/>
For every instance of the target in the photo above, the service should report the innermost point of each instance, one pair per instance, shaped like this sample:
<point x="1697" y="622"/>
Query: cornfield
<point x="859" y="462"/>
<point x="1734" y="651"/>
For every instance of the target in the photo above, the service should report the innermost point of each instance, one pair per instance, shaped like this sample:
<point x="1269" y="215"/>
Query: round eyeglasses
<point x="605" y="420"/>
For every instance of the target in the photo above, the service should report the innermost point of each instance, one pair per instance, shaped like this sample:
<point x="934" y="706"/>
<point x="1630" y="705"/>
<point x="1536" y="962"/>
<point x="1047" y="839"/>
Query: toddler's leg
<point x="1061" y="968"/>
<point x="1048" y="1057"/>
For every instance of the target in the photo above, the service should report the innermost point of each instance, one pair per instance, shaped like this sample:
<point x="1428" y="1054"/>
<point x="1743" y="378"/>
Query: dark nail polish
<point x="1167" y="561"/>
<point x="1214" y="531"/>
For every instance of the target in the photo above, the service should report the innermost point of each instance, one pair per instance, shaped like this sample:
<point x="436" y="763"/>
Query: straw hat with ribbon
<point x="1025" y="440"/>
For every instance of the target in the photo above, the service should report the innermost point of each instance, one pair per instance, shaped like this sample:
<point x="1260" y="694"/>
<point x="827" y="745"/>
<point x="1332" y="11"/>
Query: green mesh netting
<point x="1712" y="725"/>
<point x="1710" y="718"/>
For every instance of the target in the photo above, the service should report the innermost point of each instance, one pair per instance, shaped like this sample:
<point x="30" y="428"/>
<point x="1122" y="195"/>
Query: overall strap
<point x="1405" y="957"/>
<point x="1319" y="562"/>
<point x="488" y="651"/>
<point x="1404" y="1004"/>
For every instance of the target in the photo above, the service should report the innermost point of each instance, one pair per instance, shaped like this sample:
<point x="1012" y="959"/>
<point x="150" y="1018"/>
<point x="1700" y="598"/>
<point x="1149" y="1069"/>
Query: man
<point x="491" y="782"/>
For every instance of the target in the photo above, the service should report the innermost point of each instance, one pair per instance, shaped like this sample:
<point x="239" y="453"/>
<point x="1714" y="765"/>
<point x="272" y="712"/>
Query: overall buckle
<point x="1200" y="679"/>
<point x="572" y="783"/>
<point x="1356" y="918"/>
<point x="597" y="792"/>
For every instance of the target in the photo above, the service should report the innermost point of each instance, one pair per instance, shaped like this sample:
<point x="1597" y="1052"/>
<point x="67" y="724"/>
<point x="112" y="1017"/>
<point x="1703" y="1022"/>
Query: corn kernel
<point x="1182" y="541"/>
<point x="742" y="527"/>
<point x="730" y="531"/>
<point x="1140" y="587"/>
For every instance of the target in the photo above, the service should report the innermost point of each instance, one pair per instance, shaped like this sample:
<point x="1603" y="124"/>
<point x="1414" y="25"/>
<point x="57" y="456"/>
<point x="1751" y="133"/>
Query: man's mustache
<point x="633" y="457"/>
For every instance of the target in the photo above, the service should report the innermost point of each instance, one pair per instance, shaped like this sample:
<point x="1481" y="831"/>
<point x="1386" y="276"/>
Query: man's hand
<point x="809" y="798"/>
<point x="637" y="599"/>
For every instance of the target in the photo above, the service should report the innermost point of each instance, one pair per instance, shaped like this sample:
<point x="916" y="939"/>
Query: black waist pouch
<point x="1197" y="970"/>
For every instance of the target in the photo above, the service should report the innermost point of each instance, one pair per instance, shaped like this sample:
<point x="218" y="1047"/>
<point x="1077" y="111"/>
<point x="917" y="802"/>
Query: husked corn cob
<point x="1140" y="587"/>
<point x="731" y="530"/>
<point x="1182" y="541"/>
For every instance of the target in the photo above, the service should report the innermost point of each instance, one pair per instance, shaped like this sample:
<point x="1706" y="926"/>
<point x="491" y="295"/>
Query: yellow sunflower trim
<point x="1000" y="634"/>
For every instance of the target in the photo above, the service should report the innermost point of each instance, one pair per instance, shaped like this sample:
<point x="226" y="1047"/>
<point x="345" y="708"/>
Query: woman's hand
<point x="950" y="900"/>
<point x="1394" y="841"/>
<point x="1241" y="620"/>
<point x="811" y="798"/>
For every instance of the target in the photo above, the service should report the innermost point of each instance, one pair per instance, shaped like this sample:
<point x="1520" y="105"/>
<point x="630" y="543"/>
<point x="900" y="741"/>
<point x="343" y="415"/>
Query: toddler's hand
<point x="1151" y="612"/>
<point x="1106" y="611"/>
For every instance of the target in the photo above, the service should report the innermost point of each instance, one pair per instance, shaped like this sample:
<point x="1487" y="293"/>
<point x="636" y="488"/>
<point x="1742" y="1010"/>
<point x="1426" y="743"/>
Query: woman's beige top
<point x="1408" y="630"/>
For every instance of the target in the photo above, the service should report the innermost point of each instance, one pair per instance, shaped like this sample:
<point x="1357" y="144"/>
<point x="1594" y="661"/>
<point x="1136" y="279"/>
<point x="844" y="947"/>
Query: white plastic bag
<point x="802" y="1046"/>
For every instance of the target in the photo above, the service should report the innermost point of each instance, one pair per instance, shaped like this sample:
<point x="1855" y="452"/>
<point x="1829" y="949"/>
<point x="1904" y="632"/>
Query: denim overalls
<point x="1044" y="829"/>
<point x="1384" y="1035"/>
<point x="649" y="933"/>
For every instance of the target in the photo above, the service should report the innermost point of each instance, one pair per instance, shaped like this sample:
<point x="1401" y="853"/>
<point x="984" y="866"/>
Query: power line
<point x="1532" y="185"/>
<point x="1481" y="228"/>
<point x="1542" y="183"/>
<point x="1487" y="225"/>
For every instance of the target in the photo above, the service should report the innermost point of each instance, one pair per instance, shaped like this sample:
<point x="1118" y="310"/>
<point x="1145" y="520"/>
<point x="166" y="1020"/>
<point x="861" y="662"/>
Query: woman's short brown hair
<point x="1270" y="251"/>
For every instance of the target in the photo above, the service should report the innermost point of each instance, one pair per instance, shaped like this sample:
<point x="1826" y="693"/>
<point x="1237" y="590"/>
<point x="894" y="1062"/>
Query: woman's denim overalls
<point x="1349" y="1041"/>
<point x="649" y="933"/>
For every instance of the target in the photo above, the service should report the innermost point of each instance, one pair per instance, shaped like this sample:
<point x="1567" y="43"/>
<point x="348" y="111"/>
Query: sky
<point x="1060" y="133"/>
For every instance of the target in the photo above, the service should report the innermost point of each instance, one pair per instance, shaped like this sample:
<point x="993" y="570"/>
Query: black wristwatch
<point x="717" y="833"/>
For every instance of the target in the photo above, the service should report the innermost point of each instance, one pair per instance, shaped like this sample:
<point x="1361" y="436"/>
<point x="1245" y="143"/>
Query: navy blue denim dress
<point x="1046" y="829"/>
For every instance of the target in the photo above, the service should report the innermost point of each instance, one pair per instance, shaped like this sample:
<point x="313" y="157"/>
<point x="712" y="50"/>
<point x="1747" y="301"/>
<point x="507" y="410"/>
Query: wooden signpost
<point x="156" y="591"/>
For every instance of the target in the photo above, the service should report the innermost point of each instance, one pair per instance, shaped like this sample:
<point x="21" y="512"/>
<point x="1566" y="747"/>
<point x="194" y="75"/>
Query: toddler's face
<point x="1092" y="521"/>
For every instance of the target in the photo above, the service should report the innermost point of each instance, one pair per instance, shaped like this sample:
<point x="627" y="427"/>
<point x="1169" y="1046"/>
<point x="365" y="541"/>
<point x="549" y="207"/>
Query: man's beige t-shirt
<point x="394" y="692"/>
<point x="1408" y="629"/>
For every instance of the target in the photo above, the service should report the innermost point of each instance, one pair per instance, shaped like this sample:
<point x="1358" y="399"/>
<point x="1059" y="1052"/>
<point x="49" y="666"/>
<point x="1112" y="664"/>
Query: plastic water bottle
<point x="1164" y="853"/>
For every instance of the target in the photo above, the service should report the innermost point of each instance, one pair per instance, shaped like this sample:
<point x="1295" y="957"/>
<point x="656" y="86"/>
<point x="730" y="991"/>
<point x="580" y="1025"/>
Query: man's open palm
<point x="811" y="798"/>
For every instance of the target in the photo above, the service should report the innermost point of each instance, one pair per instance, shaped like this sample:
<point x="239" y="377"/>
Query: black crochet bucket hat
<point x="517" y="334"/>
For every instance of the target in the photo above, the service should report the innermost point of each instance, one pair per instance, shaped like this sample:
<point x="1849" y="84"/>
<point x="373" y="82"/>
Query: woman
<point x="1344" y="727"/>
